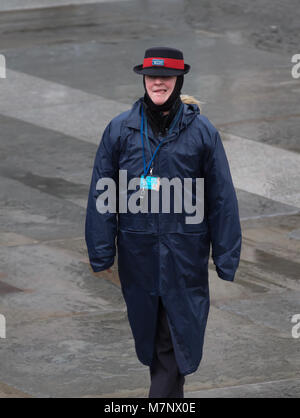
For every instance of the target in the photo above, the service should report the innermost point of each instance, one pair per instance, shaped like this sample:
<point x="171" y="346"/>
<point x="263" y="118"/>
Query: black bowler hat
<point x="162" y="61"/>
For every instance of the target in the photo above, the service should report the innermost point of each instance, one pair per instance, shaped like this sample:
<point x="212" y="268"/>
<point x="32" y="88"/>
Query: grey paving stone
<point x="295" y="234"/>
<point x="34" y="214"/>
<point x="286" y="388"/>
<point x="53" y="281"/>
<point x="8" y="5"/>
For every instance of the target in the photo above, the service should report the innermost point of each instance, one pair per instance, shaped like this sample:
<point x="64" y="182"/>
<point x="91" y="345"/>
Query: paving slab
<point x="10" y="392"/>
<point x="260" y="168"/>
<point x="295" y="234"/>
<point x="273" y="310"/>
<point x="90" y="355"/>
<point x="287" y="388"/>
<point x="254" y="206"/>
<point x="63" y="160"/>
<point x="57" y="107"/>
<point x="35" y="214"/>
<point x="52" y="282"/>
<point x="273" y="131"/>
<point x="9" y="5"/>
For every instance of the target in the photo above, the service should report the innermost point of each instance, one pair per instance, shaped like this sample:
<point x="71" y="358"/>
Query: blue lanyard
<point x="144" y="120"/>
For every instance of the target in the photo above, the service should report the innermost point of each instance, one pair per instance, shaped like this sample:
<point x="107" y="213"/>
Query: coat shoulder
<point x="206" y="124"/>
<point x="118" y="121"/>
<point x="207" y="130"/>
<point x="113" y="131"/>
<point x="129" y="118"/>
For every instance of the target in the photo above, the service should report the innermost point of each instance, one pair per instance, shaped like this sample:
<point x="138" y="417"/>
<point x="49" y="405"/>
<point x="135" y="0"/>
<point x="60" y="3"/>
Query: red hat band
<point x="163" y="62"/>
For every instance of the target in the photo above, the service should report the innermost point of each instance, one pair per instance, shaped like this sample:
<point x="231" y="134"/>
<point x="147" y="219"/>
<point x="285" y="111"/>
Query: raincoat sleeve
<point x="101" y="228"/>
<point x="222" y="210"/>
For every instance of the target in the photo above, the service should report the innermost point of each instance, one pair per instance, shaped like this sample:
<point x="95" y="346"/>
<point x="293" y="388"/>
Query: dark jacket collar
<point x="190" y="111"/>
<point x="159" y="122"/>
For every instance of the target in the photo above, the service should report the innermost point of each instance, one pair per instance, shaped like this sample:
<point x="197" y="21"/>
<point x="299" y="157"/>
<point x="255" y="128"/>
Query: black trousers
<point x="166" y="381"/>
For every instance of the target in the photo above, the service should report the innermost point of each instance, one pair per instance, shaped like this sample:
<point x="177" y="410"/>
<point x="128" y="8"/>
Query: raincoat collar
<point x="190" y="111"/>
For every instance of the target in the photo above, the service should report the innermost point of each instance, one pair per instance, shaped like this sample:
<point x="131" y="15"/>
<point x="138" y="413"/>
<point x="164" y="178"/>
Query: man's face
<point x="159" y="88"/>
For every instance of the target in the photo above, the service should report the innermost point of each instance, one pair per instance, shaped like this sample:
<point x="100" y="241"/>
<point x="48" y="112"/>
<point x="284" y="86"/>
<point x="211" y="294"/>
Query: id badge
<point x="150" y="182"/>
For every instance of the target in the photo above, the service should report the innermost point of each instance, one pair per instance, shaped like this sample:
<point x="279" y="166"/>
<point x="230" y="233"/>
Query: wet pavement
<point x="69" y="71"/>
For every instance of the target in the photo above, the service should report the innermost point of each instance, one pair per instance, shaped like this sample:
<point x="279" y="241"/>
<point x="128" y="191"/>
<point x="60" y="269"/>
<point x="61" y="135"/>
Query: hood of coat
<point x="190" y="111"/>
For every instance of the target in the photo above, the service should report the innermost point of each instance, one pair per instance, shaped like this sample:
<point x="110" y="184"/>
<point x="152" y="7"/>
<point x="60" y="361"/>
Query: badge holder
<point x="149" y="182"/>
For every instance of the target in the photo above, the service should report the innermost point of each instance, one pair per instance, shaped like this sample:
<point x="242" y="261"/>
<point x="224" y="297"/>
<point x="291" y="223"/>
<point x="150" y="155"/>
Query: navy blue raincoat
<point x="159" y="254"/>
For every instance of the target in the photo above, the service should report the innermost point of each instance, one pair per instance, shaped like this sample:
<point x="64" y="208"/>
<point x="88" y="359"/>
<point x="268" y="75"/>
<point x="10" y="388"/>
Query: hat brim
<point x="160" y="71"/>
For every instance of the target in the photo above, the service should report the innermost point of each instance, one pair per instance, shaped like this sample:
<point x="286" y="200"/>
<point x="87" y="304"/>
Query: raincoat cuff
<point x="225" y="276"/>
<point x="104" y="264"/>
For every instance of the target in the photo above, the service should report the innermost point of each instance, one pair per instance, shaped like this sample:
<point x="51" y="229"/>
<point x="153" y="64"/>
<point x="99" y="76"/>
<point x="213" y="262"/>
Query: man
<point x="163" y="259"/>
